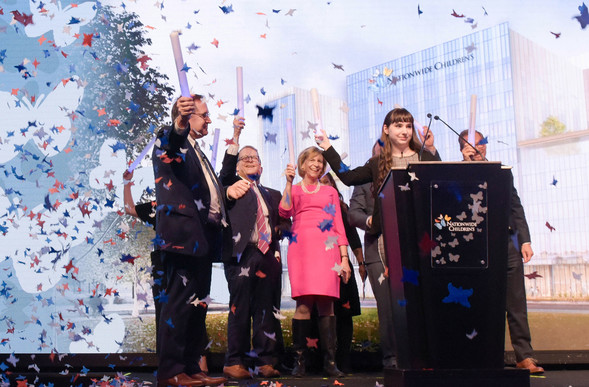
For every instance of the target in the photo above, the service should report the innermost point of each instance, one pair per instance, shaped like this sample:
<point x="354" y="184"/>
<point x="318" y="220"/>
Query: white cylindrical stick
<point x="290" y="139"/>
<point x="316" y="109"/>
<point x="215" y="146"/>
<point x="142" y="155"/>
<point x="239" y="71"/>
<point x="473" y="116"/>
<point x="184" y="90"/>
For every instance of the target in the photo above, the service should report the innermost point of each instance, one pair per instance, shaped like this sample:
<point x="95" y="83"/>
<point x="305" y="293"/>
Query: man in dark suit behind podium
<point x="254" y="269"/>
<point x="516" y="305"/>
<point x="191" y="228"/>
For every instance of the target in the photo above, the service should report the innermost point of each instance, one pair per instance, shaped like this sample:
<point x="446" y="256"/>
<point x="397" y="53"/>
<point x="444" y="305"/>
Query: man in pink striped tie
<point x="253" y="269"/>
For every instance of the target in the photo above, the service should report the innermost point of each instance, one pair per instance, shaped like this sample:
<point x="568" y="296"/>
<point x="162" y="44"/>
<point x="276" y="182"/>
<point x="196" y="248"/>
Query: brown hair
<point x="175" y="112"/>
<point x="385" y="159"/>
<point x="331" y="181"/>
<point x="307" y="153"/>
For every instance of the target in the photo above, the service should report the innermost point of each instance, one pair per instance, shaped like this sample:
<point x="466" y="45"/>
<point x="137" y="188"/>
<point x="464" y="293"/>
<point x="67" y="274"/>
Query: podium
<point x="445" y="233"/>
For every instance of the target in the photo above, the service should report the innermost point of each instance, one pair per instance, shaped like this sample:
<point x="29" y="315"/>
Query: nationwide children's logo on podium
<point x="459" y="224"/>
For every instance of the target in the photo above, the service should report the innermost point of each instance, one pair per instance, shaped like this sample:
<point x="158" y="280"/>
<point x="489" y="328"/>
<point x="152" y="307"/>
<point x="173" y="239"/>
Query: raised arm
<point x="228" y="173"/>
<point x="285" y="207"/>
<point x="127" y="195"/>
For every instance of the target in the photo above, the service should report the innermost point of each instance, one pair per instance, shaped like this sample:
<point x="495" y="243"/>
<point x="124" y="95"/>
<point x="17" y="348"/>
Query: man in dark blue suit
<point x="519" y="251"/>
<point x="191" y="230"/>
<point x="253" y="269"/>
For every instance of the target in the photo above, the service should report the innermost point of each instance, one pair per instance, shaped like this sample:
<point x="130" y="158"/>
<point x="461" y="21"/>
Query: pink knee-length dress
<point x="313" y="251"/>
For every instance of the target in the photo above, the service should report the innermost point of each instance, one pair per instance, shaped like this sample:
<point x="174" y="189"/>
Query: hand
<point x="362" y="271"/>
<point x="369" y="222"/>
<point x="238" y="125"/>
<point x="527" y="252"/>
<point x="290" y="173"/>
<point x="429" y="141"/>
<point x="238" y="189"/>
<point x="468" y="153"/>
<point x="186" y="108"/>
<point x="345" y="272"/>
<point x="127" y="175"/>
<point x="322" y="140"/>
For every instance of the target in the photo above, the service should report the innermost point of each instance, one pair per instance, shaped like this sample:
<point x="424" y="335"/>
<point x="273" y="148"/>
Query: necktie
<point x="217" y="206"/>
<point x="263" y="229"/>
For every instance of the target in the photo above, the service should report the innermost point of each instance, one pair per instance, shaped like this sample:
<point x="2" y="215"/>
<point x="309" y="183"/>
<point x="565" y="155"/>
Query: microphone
<point x="429" y="115"/>
<point x="437" y="118"/>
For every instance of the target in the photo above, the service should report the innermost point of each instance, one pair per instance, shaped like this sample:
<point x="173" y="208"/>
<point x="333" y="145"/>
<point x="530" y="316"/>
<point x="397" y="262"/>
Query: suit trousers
<point x="182" y="330"/>
<point x="516" y="305"/>
<point x="382" y="294"/>
<point x="254" y="291"/>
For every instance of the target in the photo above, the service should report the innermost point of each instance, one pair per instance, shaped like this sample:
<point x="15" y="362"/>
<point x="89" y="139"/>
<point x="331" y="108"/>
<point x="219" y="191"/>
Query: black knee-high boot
<point x="300" y="331"/>
<point x="327" y="337"/>
<point x="345" y="333"/>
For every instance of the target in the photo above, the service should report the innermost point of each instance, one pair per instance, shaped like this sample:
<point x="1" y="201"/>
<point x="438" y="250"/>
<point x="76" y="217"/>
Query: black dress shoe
<point x="208" y="380"/>
<point x="180" y="380"/>
<point x="237" y="372"/>
<point x="268" y="371"/>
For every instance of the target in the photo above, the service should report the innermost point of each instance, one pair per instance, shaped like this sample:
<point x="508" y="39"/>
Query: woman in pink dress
<point x="317" y="256"/>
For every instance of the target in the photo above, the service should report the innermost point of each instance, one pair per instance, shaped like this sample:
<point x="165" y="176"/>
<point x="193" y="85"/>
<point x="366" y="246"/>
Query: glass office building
<point x="520" y="89"/>
<point x="295" y="104"/>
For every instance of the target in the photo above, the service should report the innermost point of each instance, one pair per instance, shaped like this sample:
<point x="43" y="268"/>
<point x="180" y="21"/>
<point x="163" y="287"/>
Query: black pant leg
<point x="516" y="305"/>
<point x="182" y="320"/>
<point x="239" y="278"/>
<point x="266" y="330"/>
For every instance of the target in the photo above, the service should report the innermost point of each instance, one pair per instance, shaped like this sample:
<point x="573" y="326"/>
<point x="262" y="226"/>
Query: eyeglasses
<point x="204" y="116"/>
<point x="248" y="158"/>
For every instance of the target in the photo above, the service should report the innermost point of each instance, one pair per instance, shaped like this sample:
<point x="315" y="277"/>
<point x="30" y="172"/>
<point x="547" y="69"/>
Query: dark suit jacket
<point x="183" y="199"/>
<point x="361" y="207"/>
<point x="243" y="211"/>
<point x="518" y="225"/>
<point x="367" y="173"/>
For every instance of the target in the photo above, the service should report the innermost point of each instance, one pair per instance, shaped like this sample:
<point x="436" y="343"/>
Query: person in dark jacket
<point x="191" y="231"/>
<point x="254" y="297"/>
<point x="519" y="251"/>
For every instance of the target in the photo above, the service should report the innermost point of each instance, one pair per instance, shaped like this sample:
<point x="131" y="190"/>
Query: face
<point x="248" y="164"/>
<point x="400" y="133"/>
<point x="200" y="120"/>
<point x="313" y="166"/>
<point x="480" y="147"/>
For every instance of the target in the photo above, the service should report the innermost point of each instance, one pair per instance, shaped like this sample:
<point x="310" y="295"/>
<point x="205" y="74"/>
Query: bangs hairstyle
<point x="176" y="113"/>
<point x="385" y="158"/>
<point x="398" y="115"/>
<point x="393" y="117"/>
<point x="305" y="155"/>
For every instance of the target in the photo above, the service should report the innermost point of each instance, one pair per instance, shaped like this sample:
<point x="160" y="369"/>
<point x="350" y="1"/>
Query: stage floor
<point x="552" y="378"/>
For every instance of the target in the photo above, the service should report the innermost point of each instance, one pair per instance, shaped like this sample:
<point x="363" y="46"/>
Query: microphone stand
<point x="437" y="118"/>
<point x="429" y="115"/>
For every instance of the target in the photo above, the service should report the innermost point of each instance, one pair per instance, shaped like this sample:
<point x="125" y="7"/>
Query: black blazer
<point x="183" y="199"/>
<point x="518" y="225"/>
<point x="243" y="211"/>
<point x="367" y="173"/>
